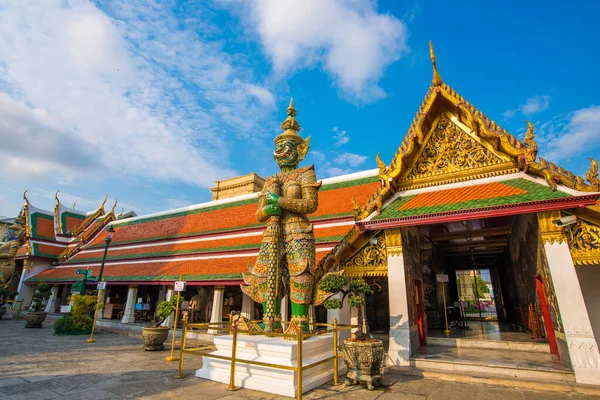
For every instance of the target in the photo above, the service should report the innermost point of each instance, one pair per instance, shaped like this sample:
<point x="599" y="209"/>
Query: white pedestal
<point x="276" y="351"/>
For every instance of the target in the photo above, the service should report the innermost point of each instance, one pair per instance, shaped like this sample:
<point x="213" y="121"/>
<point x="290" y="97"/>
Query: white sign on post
<point x="179" y="286"/>
<point x="101" y="285"/>
<point x="442" y="278"/>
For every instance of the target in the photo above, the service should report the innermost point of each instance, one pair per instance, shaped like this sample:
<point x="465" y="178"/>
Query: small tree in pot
<point x="5" y="296"/>
<point x="363" y="355"/>
<point x="156" y="335"/>
<point x="36" y="315"/>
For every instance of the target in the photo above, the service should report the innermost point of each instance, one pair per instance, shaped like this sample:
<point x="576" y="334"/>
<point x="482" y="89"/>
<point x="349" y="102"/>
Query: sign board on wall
<point x="442" y="278"/>
<point x="101" y="286"/>
<point x="179" y="286"/>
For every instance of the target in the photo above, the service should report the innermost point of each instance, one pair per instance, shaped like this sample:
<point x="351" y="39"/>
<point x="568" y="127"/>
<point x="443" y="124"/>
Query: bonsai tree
<point x="357" y="289"/>
<point x="165" y="309"/>
<point x="41" y="294"/>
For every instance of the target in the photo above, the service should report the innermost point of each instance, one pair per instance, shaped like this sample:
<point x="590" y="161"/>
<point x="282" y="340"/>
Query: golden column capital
<point x="550" y="232"/>
<point x="393" y="242"/>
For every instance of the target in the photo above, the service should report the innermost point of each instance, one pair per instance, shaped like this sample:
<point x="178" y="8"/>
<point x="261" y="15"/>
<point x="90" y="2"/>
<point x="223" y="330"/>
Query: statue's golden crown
<point x="290" y="126"/>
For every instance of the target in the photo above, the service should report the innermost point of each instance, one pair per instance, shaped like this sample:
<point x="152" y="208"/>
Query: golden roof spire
<point x="437" y="79"/>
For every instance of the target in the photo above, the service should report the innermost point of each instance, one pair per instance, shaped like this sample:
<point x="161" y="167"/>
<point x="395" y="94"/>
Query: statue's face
<point x="286" y="153"/>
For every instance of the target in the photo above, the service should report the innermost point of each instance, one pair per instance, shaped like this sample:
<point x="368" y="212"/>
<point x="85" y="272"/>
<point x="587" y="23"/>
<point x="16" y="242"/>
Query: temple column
<point x="583" y="349"/>
<point x="168" y="322"/>
<point x="52" y="299"/>
<point x="217" y="308"/>
<point x="102" y="299"/>
<point x="129" y="313"/>
<point x="247" y="307"/>
<point x="399" y="345"/>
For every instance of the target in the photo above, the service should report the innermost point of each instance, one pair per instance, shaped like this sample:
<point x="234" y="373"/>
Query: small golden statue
<point x="8" y="251"/>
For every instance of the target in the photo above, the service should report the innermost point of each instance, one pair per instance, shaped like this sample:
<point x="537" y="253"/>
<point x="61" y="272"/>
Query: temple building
<point x="467" y="238"/>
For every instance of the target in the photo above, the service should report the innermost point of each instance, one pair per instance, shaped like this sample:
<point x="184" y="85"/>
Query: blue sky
<point x="151" y="102"/>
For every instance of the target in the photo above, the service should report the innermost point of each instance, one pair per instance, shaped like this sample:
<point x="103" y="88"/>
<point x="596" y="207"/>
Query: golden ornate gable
<point x="442" y="102"/>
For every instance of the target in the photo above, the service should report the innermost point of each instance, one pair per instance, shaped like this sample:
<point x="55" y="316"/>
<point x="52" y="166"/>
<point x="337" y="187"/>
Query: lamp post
<point x="109" y="233"/>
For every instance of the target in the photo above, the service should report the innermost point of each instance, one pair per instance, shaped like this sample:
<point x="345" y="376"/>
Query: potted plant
<point x="155" y="336"/>
<point x="363" y="355"/>
<point x="36" y="315"/>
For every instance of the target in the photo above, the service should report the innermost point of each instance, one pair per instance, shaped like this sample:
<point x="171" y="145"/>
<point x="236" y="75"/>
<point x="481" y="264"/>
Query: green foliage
<point x="480" y="286"/>
<point x="69" y="325"/>
<point x="332" y="283"/>
<point x="356" y="300"/>
<point x="166" y="308"/>
<point x="83" y="305"/>
<point x="42" y="293"/>
<point x="360" y="286"/>
<point x="80" y="319"/>
<point x="333" y="304"/>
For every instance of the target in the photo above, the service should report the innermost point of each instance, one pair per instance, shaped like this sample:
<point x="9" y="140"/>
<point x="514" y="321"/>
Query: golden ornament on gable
<point x="440" y="100"/>
<point x="584" y="242"/>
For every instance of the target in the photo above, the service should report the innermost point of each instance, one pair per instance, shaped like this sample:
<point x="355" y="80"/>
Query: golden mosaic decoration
<point x="550" y="233"/>
<point x="393" y="242"/>
<point x="584" y="243"/>
<point x="371" y="260"/>
<point x="450" y="150"/>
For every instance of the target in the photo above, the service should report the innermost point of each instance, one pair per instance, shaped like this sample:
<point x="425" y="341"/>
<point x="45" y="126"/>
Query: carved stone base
<point x="364" y="361"/>
<point x="154" y="338"/>
<point x="34" y="319"/>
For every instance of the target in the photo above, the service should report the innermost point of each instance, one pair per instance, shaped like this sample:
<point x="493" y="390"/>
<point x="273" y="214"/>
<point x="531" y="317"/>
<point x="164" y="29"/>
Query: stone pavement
<point x="35" y="365"/>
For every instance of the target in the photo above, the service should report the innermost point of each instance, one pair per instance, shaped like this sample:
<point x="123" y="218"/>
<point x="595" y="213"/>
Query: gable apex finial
<point x="437" y="79"/>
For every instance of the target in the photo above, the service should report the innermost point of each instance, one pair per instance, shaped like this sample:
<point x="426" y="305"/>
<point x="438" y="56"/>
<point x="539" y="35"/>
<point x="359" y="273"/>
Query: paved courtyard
<point x="36" y="365"/>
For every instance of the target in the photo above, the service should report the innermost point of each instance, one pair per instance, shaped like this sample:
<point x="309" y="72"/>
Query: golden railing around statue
<point x="205" y="351"/>
<point x="13" y="306"/>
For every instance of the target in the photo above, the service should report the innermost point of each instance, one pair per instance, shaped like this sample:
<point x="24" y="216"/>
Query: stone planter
<point x="364" y="361"/>
<point x="154" y="338"/>
<point x="2" y="312"/>
<point x="34" y="319"/>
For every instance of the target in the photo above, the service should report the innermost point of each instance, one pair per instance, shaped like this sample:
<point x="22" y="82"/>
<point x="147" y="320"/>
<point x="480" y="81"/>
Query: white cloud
<point x="531" y="106"/>
<point x="341" y="137"/>
<point x="317" y="156"/>
<point x="335" y="171"/>
<point x="576" y="134"/>
<point x="177" y="203"/>
<point x="353" y="160"/>
<point x="130" y="90"/>
<point x="349" y="39"/>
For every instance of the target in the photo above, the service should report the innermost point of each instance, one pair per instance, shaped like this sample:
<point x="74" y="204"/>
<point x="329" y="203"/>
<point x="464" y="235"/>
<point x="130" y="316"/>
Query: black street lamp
<point x="109" y="234"/>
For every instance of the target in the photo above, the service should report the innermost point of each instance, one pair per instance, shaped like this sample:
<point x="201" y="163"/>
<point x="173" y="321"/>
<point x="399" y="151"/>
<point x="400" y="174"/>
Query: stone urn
<point x="364" y="361"/>
<point x="155" y="337"/>
<point x="34" y="319"/>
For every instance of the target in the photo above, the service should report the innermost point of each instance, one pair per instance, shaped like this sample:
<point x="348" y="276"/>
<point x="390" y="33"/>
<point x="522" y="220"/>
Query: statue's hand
<point x="272" y="210"/>
<point x="272" y="199"/>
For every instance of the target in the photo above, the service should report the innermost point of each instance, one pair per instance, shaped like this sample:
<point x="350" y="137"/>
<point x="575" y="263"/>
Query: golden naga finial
<point x="592" y="174"/>
<point x="25" y="196"/>
<point x="437" y="79"/>
<point x="114" y="205"/>
<point x="103" y="202"/>
<point x="532" y="147"/>
<point x="121" y="213"/>
<point x="74" y="205"/>
<point x="381" y="165"/>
